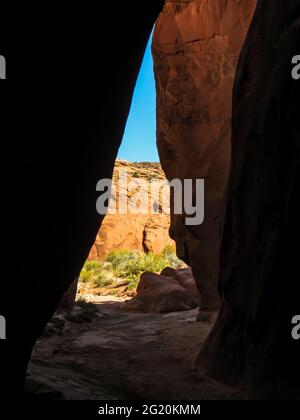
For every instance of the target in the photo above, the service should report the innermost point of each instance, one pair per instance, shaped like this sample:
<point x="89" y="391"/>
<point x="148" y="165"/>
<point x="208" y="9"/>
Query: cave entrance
<point x="105" y="343"/>
<point x="129" y="242"/>
<point x="110" y="330"/>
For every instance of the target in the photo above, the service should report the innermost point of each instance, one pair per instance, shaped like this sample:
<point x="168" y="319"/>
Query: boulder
<point x="161" y="294"/>
<point x="185" y="278"/>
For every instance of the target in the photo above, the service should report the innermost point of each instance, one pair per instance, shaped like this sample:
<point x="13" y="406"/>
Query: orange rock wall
<point x="196" y="46"/>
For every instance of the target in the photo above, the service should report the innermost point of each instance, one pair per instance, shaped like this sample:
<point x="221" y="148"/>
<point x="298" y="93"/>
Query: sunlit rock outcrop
<point x="145" y="232"/>
<point x="196" y="47"/>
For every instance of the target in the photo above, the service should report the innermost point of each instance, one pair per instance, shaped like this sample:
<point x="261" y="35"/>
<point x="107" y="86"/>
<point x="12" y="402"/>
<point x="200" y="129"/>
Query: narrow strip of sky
<point x="139" y="141"/>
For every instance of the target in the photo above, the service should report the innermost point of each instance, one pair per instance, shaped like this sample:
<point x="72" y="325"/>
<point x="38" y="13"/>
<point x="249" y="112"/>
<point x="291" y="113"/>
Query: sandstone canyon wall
<point x="196" y="46"/>
<point x="67" y="137"/>
<point x="135" y="232"/>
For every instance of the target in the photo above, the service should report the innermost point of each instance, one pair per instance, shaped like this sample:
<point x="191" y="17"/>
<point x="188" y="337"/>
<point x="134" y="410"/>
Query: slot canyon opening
<point x="133" y="242"/>
<point x="102" y="324"/>
<point x="104" y="351"/>
<point x="116" y="329"/>
<point x="117" y="342"/>
<point x="134" y="235"/>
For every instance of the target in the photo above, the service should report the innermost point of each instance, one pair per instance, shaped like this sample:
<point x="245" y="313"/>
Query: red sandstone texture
<point x="134" y="232"/>
<point x="196" y="46"/>
<point x="171" y="291"/>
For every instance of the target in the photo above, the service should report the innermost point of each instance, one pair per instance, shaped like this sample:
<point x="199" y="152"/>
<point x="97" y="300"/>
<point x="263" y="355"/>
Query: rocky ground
<point x="100" y="352"/>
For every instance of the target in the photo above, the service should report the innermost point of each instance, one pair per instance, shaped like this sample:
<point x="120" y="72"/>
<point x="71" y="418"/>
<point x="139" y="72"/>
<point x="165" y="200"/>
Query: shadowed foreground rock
<point x="196" y="46"/>
<point x="251" y="344"/>
<point x="185" y="278"/>
<point x="125" y="356"/>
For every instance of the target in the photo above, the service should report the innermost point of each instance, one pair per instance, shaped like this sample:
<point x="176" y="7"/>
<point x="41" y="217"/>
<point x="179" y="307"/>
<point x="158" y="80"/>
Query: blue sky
<point x="139" y="141"/>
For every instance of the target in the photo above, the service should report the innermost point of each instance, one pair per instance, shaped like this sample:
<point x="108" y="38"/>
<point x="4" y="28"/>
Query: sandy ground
<point x="105" y="353"/>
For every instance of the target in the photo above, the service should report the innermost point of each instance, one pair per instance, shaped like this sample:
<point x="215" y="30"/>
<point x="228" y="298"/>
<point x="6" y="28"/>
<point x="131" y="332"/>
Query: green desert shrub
<point x="127" y="265"/>
<point x="127" y="262"/>
<point x="136" y="175"/>
<point x="97" y="273"/>
<point x="169" y="250"/>
<point x="130" y="265"/>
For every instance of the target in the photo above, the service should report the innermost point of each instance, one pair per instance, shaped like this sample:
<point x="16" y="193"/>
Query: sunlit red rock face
<point x="196" y="47"/>
<point x="147" y="232"/>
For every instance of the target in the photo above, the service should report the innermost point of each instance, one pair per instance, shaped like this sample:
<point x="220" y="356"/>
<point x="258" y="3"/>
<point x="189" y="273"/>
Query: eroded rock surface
<point x="126" y="356"/>
<point x="196" y="46"/>
<point x="147" y="232"/>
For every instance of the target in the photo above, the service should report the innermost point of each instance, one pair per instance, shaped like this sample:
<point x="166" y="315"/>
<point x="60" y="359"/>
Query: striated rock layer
<point x="252" y="344"/>
<point x="135" y="232"/>
<point x="196" y="46"/>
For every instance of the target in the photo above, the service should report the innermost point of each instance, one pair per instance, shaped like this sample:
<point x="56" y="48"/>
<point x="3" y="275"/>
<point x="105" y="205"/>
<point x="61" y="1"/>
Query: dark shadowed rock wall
<point x="251" y="344"/>
<point x="71" y="74"/>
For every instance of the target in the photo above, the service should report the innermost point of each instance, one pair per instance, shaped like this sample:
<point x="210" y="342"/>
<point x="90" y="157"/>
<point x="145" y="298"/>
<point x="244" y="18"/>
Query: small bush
<point x="127" y="265"/>
<point x="169" y="250"/>
<point x="97" y="274"/>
